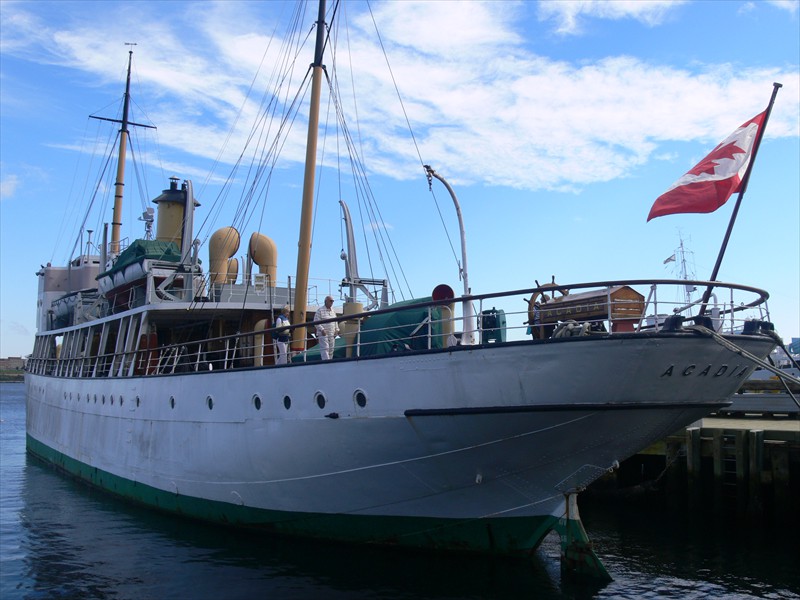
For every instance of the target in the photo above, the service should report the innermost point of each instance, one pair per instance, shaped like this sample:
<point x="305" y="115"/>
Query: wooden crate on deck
<point x="627" y="307"/>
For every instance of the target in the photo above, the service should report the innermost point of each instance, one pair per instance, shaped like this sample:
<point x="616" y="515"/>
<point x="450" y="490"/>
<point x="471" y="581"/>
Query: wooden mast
<point x="119" y="185"/>
<point x="304" y="244"/>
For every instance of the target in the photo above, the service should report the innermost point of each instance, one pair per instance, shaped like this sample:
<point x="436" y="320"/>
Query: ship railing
<point x="606" y="308"/>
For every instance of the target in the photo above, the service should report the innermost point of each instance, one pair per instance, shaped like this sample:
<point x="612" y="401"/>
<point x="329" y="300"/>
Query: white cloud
<point x="569" y="15"/>
<point x="787" y="5"/>
<point x="8" y="185"/>
<point x="483" y="108"/>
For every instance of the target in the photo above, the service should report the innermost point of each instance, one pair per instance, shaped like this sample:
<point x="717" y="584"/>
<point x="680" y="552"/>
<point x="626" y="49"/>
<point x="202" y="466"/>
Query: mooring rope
<point x="784" y="377"/>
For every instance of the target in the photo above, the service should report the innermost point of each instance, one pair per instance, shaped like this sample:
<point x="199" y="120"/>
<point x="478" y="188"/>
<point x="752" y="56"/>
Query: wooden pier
<point x="743" y="460"/>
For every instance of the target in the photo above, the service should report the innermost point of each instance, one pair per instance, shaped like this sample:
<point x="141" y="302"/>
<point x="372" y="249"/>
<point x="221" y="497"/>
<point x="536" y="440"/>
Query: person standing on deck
<point x="326" y="332"/>
<point x="282" y="324"/>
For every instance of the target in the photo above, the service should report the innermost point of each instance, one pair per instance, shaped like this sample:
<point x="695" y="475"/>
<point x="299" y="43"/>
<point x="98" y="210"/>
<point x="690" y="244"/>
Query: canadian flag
<point x="711" y="182"/>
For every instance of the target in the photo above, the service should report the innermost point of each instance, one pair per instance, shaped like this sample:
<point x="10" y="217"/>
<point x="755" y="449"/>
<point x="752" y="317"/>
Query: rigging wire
<point x="265" y="155"/>
<point x="278" y="112"/>
<point x="282" y="74"/>
<point x="411" y="131"/>
<point x="366" y="198"/>
<point x="91" y="203"/>
<point x="68" y="213"/>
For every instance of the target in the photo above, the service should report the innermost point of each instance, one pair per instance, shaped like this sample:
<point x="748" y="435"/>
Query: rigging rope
<point x="411" y="131"/>
<point x="721" y="340"/>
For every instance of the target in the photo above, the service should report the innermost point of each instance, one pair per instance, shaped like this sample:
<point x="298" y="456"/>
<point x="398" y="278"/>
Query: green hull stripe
<point x="515" y="536"/>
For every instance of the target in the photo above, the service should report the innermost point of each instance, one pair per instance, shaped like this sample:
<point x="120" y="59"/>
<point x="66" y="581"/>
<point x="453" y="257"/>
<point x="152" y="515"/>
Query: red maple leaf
<point x="708" y="164"/>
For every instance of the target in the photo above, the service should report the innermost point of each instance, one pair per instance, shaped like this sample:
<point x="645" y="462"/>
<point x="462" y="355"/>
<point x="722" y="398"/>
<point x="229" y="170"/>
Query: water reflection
<point x="79" y="542"/>
<point x="667" y="551"/>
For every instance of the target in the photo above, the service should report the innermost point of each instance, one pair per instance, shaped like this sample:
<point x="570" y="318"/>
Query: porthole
<point x="319" y="397"/>
<point x="360" y="397"/>
<point x="65" y="395"/>
<point x="120" y="400"/>
<point x="257" y="401"/>
<point x="172" y="401"/>
<point x="210" y="402"/>
<point x="287" y="402"/>
<point x="112" y="399"/>
<point x="79" y="397"/>
<point x="137" y="401"/>
<point x="103" y="399"/>
<point x="95" y="398"/>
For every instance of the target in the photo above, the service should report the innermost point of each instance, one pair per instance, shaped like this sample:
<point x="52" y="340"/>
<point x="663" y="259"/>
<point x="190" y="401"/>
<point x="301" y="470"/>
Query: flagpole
<point x="707" y="294"/>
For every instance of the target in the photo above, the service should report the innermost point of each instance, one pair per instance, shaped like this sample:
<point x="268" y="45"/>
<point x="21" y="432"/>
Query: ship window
<point x="65" y="395"/>
<point x="360" y="398"/>
<point x="210" y="402"/>
<point x="320" y="398"/>
<point x="120" y="400"/>
<point x="79" y="397"/>
<point x="103" y="399"/>
<point x="112" y="399"/>
<point x="137" y="401"/>
<point x="95" y="398"/>
<point x="172" y="401"/>
<point x="287" y="402"/>
<point x="257" y="401"/>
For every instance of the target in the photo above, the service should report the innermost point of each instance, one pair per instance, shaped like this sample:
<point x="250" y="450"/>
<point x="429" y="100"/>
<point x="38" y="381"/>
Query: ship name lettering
<point x="721" y="370"/>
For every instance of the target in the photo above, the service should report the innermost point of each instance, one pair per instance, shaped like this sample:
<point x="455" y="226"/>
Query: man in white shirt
<point x="326" y="332"/>
<point x="282" y="337"/>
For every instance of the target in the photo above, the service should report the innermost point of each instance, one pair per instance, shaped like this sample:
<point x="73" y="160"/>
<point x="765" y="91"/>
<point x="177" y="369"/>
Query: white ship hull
<point x="476" y="433"/>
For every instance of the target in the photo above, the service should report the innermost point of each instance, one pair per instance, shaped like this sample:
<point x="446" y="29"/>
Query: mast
<point x="119" y="185"/>
<point x="688" y="289"/>
<point x="306" y="215"/>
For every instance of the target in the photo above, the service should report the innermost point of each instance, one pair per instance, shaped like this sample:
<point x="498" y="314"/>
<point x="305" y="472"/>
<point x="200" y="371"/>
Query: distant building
<point x="794" y="347"/>
<point x="12" y="363"/>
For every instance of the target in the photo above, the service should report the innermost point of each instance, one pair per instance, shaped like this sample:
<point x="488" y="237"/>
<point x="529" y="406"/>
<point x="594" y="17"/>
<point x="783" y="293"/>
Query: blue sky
<point x="557" y="123"/>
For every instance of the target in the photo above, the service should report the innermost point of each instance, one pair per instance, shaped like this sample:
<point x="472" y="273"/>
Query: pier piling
<point x="755" y="504"/>
<point x="744" y="463"/>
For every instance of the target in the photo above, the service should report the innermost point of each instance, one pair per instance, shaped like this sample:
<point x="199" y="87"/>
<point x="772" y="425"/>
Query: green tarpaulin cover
<point x="396" y="331"/>
<point x="141" y="249"/>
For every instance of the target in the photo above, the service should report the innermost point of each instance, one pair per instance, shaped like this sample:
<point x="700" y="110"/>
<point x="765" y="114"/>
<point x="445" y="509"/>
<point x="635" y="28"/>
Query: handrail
<point x="238" y="350"/>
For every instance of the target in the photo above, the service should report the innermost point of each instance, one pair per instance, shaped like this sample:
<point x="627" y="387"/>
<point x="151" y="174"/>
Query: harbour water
<point x="61" y="539"/>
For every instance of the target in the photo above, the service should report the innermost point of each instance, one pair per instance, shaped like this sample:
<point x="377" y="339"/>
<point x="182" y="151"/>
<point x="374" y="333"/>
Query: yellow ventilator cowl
<point x="264" y="253"/>
<point x="223" y="245"/>
<point x="233" y="270"/>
